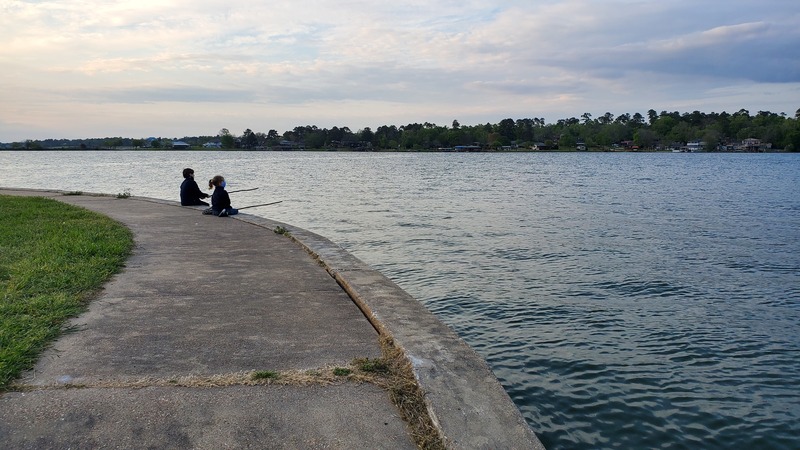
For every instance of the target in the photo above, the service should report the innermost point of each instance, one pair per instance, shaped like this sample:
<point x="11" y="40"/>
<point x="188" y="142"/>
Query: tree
<point x="524" y="130"/>
<point x="456" y="125"/>
<point x="263" y="141"/>
<point x="644" y="138"/>
<point x="695" y="118"/>
<point x="681" y="132"/>
<point x="494" y="140"/>
<point x="606" y="118"/>
<point x="794" y="140"/>
<point x="249" y="139"/>
<point x="652" y="116"/>
<point x="30" y="144"/>
<point x="507" y="129"/>
<point x="712" y="139"/>
<point x="113" y="142"/>
<point x="387" y="136"/>
<point x="366" y="134"/>
<point x="567" y="141"/>
<point x="315" y="139"/>
<point x="663" y="125"/>
<point x="226" y="139"/>
<point x="739" y="123"/>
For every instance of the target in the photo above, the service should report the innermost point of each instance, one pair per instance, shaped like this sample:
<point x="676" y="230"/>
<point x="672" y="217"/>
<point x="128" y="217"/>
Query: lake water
<point x="624" y="300"/>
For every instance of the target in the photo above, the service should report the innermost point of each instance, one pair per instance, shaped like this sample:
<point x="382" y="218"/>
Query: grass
<point x="404" y="391"/>
<point x="53" y="258"/>
<point x="369" y="365"/>
<point x="342" y="371"/>
<point x="265" y="375"/>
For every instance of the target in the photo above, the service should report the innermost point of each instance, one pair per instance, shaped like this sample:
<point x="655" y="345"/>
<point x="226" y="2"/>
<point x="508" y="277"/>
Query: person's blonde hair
<point x="216" y="181"/>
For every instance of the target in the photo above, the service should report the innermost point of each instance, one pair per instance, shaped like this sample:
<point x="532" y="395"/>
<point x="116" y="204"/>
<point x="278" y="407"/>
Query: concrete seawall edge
<point x="464" y="397"/>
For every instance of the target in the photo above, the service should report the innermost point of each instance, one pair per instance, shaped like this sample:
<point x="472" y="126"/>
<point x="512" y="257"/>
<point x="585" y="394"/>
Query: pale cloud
<point x="358" y="63"/>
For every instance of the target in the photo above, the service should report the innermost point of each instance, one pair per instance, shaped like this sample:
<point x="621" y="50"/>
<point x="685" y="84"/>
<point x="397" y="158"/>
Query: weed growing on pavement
<point x="341" y="371"/>
<point x="373" y="365"/>
<point x="406" y="394"/>
<point x="265" y="375"/>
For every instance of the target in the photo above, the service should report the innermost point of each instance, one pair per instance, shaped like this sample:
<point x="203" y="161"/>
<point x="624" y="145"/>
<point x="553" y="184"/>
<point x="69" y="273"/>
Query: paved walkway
<point x="160" y="355"/>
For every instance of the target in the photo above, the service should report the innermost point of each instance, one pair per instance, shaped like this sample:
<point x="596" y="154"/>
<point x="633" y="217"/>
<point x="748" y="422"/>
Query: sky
<point x="175" y="68"/>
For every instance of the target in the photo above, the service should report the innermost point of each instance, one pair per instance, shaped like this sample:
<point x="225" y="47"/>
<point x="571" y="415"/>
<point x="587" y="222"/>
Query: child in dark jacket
<point x="190" y="192"/>
<point x="220" y="200"/>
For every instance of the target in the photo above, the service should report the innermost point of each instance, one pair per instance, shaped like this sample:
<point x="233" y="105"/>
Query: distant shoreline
<point x="347" y="150"/>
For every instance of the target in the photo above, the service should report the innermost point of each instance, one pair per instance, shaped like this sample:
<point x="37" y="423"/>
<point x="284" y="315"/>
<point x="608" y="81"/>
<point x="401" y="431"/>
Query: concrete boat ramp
<point x="165" y="355"/>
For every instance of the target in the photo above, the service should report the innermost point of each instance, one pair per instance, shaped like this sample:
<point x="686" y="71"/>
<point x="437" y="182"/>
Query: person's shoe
<point x="223" y="213"/>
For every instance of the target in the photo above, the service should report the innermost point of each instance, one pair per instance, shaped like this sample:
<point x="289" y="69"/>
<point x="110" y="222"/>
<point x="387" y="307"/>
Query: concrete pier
<point x="207" y="299"/>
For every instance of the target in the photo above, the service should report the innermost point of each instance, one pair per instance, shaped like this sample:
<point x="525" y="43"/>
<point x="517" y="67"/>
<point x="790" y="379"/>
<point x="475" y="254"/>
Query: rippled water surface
<point x="624" y="300"/>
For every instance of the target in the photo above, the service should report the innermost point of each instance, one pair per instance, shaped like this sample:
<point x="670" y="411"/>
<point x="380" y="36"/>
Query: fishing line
<point x="242" y="190"/>
<point x="263" y="204"/>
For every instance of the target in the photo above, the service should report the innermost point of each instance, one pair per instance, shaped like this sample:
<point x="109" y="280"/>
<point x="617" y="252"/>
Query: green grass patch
<point x="53" y="258"/>
<point x="341" y="371"/>
<point x="372" y="365"/>
<point x="265" y="375"/>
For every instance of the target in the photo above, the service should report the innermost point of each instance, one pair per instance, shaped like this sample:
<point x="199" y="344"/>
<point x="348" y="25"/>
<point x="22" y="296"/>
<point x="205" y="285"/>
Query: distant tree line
<point x="656" y="131"/>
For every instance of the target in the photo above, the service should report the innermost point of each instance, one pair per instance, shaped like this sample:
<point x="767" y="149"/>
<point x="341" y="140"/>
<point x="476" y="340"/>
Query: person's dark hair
<point x="187" y="172"/>
<point x="216" y="181"/>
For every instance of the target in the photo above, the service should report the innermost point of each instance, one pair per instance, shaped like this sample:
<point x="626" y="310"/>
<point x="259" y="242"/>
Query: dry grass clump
<point x="392" y="372"/>
<point x="409" y="398"/>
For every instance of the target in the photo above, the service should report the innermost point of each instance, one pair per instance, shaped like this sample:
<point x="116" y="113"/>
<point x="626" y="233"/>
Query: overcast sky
<point x="174" y="68"/>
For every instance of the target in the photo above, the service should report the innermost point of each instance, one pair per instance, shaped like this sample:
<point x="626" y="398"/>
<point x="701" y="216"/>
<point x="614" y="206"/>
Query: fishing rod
<point x="263" y="204"/>
<point x="242" y="190"/>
